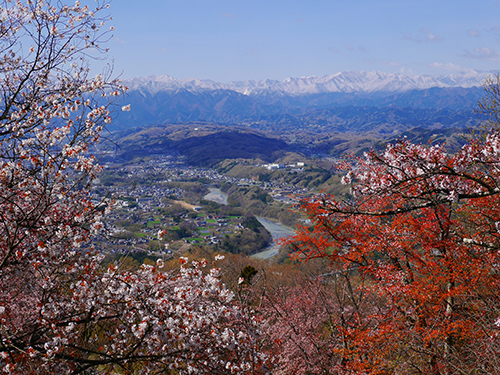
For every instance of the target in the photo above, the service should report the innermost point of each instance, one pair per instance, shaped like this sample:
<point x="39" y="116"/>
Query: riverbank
<point x="278" y="231"/>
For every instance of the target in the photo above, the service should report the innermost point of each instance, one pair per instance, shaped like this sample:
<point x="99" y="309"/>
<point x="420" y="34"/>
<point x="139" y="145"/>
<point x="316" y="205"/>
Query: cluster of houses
<point x="297" y="167"/>
<point x="133" y="202"/>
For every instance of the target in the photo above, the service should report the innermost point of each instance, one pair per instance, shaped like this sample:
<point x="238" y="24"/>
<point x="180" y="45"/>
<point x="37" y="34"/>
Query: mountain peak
<point x="346" y="82"/>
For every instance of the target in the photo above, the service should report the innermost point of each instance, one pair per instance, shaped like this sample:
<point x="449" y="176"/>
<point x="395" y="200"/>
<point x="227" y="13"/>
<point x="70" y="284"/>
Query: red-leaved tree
<point x="423" y="232"/>
<point x="60" y="311"/>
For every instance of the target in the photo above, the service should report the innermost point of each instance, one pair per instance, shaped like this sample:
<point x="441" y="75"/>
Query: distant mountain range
<point x="369" y="97"/>
<point x="344" y="82"/>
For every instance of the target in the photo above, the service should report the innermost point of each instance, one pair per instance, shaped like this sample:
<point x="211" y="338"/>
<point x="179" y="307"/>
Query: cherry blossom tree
<point x="311" y="324"/>
<point x="142" y="322"/>
<point x="60" y="310"/>
<point x="423" y="231"/>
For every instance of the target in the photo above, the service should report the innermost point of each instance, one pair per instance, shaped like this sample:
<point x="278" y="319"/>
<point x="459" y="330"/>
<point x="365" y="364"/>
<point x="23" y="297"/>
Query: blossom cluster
<point x="187" y="321"/>
<point x="61" y="310"/>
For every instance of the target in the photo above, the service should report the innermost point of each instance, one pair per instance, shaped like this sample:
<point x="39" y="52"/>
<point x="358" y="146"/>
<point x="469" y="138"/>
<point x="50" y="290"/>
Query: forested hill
<point x="442" y="106"/>
<point x="206" y="144"/>
<point x="203" y="149"/>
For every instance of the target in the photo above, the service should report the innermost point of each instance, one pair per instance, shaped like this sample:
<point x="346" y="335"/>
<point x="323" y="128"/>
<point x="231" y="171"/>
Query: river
<point x="278" y="231"/>
<point x="216" y="196"/>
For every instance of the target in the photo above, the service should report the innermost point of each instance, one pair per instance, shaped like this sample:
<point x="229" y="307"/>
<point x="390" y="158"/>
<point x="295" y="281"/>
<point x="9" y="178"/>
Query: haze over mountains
<point x="346" y="101"/>
<point x="347" y="82"/>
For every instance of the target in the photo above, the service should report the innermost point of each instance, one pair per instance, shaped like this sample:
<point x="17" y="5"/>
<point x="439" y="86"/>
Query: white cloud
<point x="409" y="37"/>
<point x="474" y="33"/>
<point x="429" y="36"/>
<point x="406" y="71"/>
<point x="351" y="48"/>
<point x="482" y="53"/>
<point x="390" y="63"/>
<point x="426" y="36"/>
<point x="450" y="67"/>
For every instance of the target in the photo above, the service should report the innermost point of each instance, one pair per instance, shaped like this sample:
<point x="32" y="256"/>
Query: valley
<point x="344" y="223"/>
<point x="242" y="158"/>
<point x="227" y="208"/>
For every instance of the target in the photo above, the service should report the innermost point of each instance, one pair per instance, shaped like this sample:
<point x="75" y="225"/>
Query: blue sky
<point x="228" y="40"/>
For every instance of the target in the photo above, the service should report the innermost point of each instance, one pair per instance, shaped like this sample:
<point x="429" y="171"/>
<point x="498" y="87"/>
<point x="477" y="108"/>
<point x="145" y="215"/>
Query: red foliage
<point x="422" y="230"/>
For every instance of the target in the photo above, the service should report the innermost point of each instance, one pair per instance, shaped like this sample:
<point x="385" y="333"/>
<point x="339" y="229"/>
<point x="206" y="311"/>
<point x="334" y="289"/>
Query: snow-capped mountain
<point x="155" y="84"/>
<point x="355" y="96"/>
<point x="343" y="82"/>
